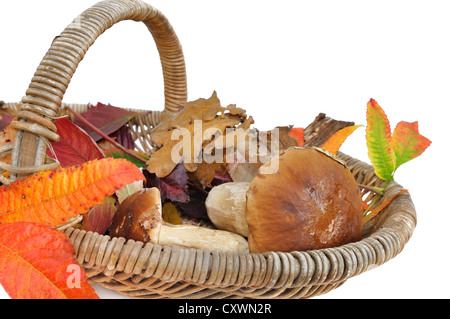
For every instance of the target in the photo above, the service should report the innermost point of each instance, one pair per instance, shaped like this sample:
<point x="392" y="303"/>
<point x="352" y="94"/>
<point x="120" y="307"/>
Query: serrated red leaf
<point x="75" y="145"/>
<point x="52" y="197"/>
<point x="106" y="118"/>
<point x="38" y="262"/>
<point x="408" y="143"/>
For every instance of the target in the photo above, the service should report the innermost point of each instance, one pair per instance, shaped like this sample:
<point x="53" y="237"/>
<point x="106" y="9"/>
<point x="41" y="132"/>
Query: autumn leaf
<point x="123" y="137"/>
<point x="38" y="262"/>
<point x="173" y="186"/>
<point x="388" y="152"/>
<point x="221" y="178"/>
<point x="408" y="143"/>
<point x="99" y="218"/>
<point x="195" y="207"/>
<point x="115" y="152"/>
<point x="170" y="214"/>
<point x="378" y="139"/>
<point x="129" y="189"/>
<point x="52" y="197"/>
<point x="298" y="134"/>
<point x="75" y="145"/>
<point x="335" y="142"/>
<point x="181" y="136"/>
<point x="5" y="119"/>
<point x="106" y="118"/>
<point x="7" y="135"/>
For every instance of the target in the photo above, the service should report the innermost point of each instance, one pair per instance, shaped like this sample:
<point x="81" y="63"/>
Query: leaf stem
<point x="379" y="194"/>
<point x="376" y="190"/>
<point x="106" y="137"/>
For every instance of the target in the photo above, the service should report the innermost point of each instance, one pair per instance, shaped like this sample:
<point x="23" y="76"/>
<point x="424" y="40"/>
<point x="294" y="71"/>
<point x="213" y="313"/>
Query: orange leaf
<point x="38" y="262"/>
<point x="7" y="135"/>
<point x="298" y="134"/>
<point x="53" y="197"/>
<point x="337" y="139"/>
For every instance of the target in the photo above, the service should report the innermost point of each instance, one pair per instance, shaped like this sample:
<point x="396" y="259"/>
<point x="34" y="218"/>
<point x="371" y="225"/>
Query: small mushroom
<point x="139" y="217"/>
<point x="311" y="202"/>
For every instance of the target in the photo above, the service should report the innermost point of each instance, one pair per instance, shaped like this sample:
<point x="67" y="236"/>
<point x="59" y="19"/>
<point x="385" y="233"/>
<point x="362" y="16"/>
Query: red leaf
<point x="100" y="216"/>
<point x="38" y="262"/>
<point x="75" y="145"/>
<point x="408" y="143"/>
<point x="106" y="118"/>
<point x="5" y="119"/>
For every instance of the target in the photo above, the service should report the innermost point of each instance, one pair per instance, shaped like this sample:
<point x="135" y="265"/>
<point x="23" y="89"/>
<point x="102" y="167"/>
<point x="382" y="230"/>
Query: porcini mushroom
<point x="225" y="206"/>
<point x="139" y="217"/>
<point x="311" y="202"/>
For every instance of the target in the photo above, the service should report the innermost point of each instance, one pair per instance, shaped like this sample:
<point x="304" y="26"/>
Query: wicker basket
<point x="144" y="270"/>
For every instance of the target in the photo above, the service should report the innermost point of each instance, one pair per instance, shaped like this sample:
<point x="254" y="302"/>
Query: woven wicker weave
<point x="152" y="271"/>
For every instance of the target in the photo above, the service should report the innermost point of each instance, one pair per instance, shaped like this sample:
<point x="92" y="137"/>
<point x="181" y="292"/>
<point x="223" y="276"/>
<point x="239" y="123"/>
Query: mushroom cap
<point x="311" y="202"/>
<point x="139" y="217"/>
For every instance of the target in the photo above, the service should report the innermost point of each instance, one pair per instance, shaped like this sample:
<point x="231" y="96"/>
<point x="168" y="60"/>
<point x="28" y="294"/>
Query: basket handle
<point x="43" y="98"/>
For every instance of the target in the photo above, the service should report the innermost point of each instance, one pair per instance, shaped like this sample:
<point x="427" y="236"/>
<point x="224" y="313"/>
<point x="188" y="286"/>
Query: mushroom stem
<point x="202" y="238"/>
<point x="139" y="217"/>
<point x="225" y="206"/>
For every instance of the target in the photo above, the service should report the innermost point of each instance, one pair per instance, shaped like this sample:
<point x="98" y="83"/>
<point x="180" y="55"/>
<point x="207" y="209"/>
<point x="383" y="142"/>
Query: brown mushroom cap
<point x="139" y="217"/>
<point x="311" y="202"/>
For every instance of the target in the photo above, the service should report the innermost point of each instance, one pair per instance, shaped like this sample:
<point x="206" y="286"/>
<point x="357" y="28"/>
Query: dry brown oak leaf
<point x="215" y="119"/>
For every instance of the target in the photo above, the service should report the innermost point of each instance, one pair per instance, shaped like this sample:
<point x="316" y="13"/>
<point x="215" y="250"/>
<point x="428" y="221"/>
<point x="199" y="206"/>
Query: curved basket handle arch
<point x="43" y="98"/>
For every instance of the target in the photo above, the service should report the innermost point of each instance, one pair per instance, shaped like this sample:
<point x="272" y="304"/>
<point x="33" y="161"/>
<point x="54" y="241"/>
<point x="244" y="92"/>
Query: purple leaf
<point x="172" y="187"/>
<point x="123" y="137"/>
<point x="106" y="118"/>
<point x="195" y="207"/>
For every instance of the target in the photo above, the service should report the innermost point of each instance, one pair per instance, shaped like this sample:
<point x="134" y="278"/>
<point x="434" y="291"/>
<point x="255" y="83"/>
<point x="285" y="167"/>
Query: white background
<point x="284" y="62"/>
